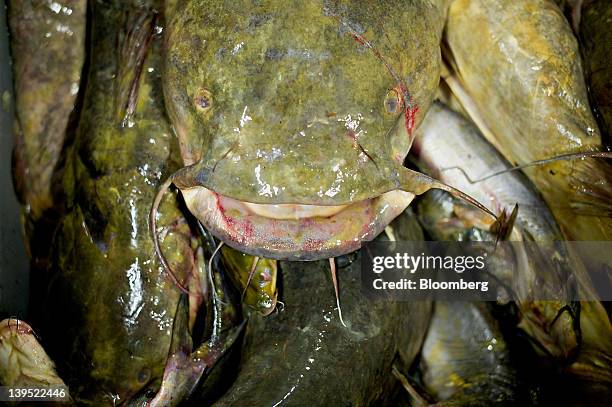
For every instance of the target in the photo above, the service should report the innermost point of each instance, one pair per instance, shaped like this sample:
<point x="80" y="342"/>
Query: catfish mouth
<point x="294" y="231"/>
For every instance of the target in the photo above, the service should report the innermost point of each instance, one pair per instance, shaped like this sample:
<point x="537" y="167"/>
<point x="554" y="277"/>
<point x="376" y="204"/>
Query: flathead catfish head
<point x="294" y="118"/>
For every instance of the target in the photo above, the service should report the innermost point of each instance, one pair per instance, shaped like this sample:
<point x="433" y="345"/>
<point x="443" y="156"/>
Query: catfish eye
<point x="393" y="103"/>
<point x="203" y="100"/>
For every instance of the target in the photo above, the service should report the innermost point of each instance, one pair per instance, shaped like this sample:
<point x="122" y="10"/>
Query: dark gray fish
<point x="576" y="334"/>
<point x="465" y="359"/>
<point x="596" y="46"/>
<point x="303" y="355"/>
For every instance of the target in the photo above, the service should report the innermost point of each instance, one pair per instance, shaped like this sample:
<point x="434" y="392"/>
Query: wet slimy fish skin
<point x="47" y="53"/>
<point x="303" y="355"/>
<point x="110" y="306"/>
<point x="465" y="359"/>
<point x="578" y="341"/>
<point x="520" y="66"/>
<point x="596" y="47"/>
<point x="289" y="121"/>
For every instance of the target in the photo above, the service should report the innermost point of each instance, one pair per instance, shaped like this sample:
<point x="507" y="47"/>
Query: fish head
<point x="295" y="119"/>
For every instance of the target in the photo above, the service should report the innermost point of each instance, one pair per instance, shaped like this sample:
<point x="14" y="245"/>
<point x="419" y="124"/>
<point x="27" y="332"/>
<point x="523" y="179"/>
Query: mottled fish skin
<point x="451" y="147"/>
<point x="465" y="359"/>
<point x="278" y="101"/>
<point x="285" y="113"/>
<point x="110" y="305"/>
<point x="47" y="52"/>
<point x="596" y="45"/>
<point x="584" y="359"/>
<point x="302" y="355"/>
<point x="519" y="63"/>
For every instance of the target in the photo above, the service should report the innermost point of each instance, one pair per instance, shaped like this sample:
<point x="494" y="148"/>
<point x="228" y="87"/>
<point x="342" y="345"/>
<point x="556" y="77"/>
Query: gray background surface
<point x="14" y="269"/>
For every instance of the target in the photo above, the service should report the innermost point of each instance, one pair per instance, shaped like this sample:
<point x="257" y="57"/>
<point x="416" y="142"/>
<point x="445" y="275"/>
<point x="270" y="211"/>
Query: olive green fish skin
<point x="519" y="62"/>
<point x="48" y="51"/>
<point x="302" y="355"/>
<point x="110" y="304"/>
<point x="259" y="288"/>
<point x="266" y="95"/>
<point x="596" y="41"/>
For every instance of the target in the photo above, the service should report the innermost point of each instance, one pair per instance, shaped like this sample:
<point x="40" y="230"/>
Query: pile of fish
<point x="197" y="179"/>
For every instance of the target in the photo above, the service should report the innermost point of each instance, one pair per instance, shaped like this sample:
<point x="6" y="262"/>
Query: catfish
<point x="289" y="153"/>
<point x="517" y="70"/>
<point x="572" y="332"/>
<point x="310" y="357"/>
<point x="48" y="54"/>
<point x="110" y="306"/>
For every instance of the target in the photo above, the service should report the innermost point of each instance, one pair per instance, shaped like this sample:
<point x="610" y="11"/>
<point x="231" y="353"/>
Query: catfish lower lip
<point x="331" y="232"/>
<point x="304" y="238"/>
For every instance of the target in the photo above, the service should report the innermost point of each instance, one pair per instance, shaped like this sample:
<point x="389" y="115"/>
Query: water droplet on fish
<point x="237" y="47"/>
<point x="55" y="7"/>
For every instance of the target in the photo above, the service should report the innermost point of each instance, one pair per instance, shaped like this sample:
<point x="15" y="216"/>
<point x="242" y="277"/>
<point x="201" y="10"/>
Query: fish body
<point x="303" y="355"/>
<point x="465" y="359"/>
<point x="596" y="46"/>
<point x="451" y="147"/>
<point x="520" y="67"/>
<point x="48" y="53"/>
<point x="110" y="305"/>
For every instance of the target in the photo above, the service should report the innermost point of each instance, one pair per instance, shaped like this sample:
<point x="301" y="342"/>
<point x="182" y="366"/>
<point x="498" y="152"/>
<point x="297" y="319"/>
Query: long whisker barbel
<point x="251" y="274"/>
<point x="332" y="265"/>
<point x="153" y="227"/>
<point x="562" y="157"/>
